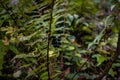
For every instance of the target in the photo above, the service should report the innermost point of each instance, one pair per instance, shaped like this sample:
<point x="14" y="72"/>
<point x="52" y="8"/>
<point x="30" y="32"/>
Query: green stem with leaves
<point x="49" y="35"/>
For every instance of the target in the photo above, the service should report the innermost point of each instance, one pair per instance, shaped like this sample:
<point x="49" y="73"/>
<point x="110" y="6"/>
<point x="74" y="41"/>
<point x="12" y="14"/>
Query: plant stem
<point x="49" y="35"/>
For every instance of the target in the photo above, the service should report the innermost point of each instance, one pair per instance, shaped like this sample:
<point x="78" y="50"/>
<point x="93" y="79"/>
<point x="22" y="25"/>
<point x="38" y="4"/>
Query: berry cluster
<point x="56" y="41"/>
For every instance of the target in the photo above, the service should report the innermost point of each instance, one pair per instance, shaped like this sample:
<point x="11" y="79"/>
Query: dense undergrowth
<point x="59" y="39"/>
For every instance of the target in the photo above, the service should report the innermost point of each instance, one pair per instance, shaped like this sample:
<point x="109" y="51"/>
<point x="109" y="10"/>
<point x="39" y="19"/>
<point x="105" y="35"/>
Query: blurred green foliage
<point x="86" y="30"/>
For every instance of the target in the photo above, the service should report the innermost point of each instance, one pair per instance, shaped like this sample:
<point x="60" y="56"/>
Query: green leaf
<point x="68" y="63"/>
<point x="111" y="72"/>
<point x="33" y="72"/>
<point x="3" y="19"/>
<point x="116" y="65"/>
<point x="25" y="38"/>
<point x="44" y="76"/>
<point x="13" y="49"/>
<point x="73" y="75"/>
<point x="25" y="65"/>
<point x="32" y="60"/>
<point x="97" y="39"/>
<point x="70" y="48"/>
<point x="100" y="59"/>
<point x="112" y="7"/>
<point x="26" y="55"/>
<point x="108" y="20"/>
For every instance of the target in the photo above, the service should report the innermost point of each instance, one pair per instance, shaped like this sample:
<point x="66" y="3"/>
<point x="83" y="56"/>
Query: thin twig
<point x="49" y="35"/>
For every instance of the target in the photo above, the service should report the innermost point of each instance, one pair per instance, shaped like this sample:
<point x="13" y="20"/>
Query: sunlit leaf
<point x="25" y="55"/>
<point x="70" y="48"/>
<point x="100" y="59"/>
